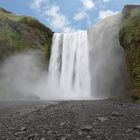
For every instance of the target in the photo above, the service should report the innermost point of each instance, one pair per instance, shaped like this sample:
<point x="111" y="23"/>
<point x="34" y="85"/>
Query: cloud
<point x="106" y="0"/>
<point x="36" y="5"/>
<point x="80" y="16"/>
<point x="53" y="14"/>
<point x="104" y="14"/>
<point x="83" y="12"/>
<point x="58" y="20"/>
<point x="88" y="4"/>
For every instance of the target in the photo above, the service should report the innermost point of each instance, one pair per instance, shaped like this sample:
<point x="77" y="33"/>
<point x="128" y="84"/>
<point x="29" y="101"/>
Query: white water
<point x="107" y="61"/>
<point x="69" y="65"/>
<point x="89" y="65"/>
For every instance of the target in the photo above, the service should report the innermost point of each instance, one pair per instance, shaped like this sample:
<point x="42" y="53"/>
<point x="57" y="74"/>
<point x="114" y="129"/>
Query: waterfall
<point x="107" y="61"/>
<point x="69" y="64"/>
<point x="89" y="64"/>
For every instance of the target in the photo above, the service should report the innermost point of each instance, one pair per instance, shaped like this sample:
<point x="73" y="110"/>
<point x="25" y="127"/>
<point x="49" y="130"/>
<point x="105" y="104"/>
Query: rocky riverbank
<point x="71" y="120"/>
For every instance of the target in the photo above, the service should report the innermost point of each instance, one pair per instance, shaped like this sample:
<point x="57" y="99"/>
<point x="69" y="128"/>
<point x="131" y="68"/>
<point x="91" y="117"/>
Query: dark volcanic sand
<point x="71" y="120"/>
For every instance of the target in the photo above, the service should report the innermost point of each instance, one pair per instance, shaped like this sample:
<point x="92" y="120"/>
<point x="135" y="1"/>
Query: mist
<point x="108" y="69"/>
<point x="20" y="74"/>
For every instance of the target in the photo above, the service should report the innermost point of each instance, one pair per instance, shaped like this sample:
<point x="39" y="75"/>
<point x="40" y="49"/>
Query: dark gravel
<point x="71" y="120"/>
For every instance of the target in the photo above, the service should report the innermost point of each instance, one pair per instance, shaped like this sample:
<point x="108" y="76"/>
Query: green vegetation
<point x="22" y="32"/>
<point x="10" y="41"/>
<point x="130" y="40"/>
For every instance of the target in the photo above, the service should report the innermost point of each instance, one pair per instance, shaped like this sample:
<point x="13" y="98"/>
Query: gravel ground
<point x="69" y="120"/>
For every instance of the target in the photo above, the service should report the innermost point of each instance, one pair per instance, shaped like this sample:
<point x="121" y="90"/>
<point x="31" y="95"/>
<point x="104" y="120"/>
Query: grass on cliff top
<point x="8" y="15"/>
<point x="131" y="24"/>
<point x="12" y="40"/>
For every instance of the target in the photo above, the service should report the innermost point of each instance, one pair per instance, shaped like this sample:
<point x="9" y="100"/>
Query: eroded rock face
<point x="130" y="41"/>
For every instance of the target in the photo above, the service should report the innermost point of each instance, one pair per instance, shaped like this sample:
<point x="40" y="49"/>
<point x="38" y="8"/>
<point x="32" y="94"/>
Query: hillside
<point x="22" y="32"/>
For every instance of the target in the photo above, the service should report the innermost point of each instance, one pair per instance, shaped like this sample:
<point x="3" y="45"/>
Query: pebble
<point x="62" y="124"/>
<point x="42" y="139"/>
<point x="63" y="138"/>
<point x="102" y="119"/>
<point x="88" y="137"/>
<point x="23" y="128"/>
<point x="87" y="128"/>
<point x="80" y="133"/>
<point x="19" y="133"/>
<point x="128" y="130"/>
<point x="137" y="127"/>
<point x="116" y="114"/>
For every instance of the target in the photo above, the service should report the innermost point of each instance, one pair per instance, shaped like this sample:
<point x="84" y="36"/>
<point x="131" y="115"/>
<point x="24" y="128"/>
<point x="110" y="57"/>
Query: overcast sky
<point x="67" y="15"/>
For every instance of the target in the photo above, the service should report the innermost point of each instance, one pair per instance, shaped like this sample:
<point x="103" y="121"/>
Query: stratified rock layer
<point x="130" y="40"/>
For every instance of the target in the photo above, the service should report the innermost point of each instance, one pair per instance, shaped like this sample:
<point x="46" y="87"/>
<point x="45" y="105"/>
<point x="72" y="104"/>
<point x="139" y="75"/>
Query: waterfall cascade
<point x="89" y="65"/>
<point x="69" y="64"/>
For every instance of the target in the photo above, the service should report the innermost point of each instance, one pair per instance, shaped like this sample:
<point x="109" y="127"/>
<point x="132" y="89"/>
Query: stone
<point x="31" y="136"/>
<point x="64" y="138"/>
<point x="19" y="133"/>
<point x="128" y="130"/>
<point x="87" y="128"/>
<point x="23" y="129"/>
<point x="42" y="139"/>
<point x="62" y="124"/>
<point x="80" y="133"/>
<point x="137" y="127"/>
<point x="102" y="119"/>
<point x="116" y="114"/>
<point x="88" y="137"/>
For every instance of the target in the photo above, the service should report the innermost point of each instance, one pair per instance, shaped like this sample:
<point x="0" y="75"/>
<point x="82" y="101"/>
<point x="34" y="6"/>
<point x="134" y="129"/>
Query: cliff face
<point x="22" y="32"/>
<point x="130" y="41"/>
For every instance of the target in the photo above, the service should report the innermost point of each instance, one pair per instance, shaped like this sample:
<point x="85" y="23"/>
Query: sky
<point x="67" y="15"/>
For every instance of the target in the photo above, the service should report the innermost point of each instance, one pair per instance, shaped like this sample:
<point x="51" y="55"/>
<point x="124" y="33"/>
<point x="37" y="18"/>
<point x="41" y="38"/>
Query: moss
<point x="22" y="32"/>
<point x="130" y="40"/>
<point x="10" y="41"/>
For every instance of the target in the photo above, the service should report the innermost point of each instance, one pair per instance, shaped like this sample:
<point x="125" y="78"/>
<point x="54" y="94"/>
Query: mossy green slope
<point x="22" y="32"/>
<point x="130" y="41"/>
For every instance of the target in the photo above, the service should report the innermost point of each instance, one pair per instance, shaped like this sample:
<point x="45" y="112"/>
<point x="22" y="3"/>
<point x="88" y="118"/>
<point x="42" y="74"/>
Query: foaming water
<point x="69" y="65"/>
<point x="107" y="61"/>
<point x="89" y="64"/>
